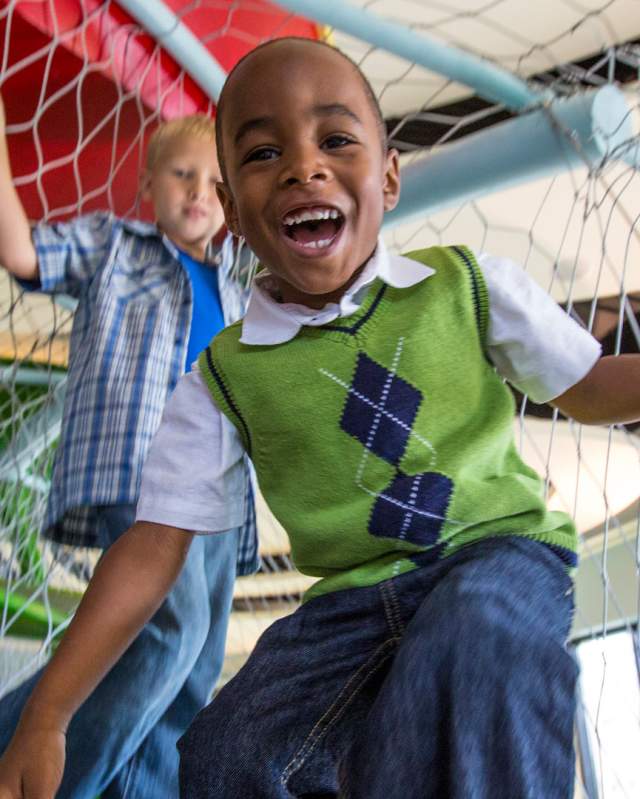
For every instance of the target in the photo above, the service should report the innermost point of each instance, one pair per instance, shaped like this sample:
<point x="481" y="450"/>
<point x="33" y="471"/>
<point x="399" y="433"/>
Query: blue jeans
<point x="122" y="741"/>
<point x="450" y="681"/>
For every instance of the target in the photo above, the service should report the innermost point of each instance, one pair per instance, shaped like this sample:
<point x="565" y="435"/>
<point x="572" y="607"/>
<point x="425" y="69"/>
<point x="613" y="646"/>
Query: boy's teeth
<point x="311" y="215"/>
<point x="314" y="245"/>
<point x="313" y="228"/>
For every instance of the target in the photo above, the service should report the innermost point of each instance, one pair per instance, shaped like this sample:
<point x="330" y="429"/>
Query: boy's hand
<point x="3" y="118"/>
<point x="33" y="765"/>
<point x="129" y="583"/>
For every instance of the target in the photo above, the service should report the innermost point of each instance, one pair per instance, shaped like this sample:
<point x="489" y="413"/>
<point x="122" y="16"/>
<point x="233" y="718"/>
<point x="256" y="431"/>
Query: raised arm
<point x="17" y="253"/>
<point x="129" y="584"/>
<point x="610" y="393"/>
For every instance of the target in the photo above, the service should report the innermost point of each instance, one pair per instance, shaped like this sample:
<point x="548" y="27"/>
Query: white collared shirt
<point x="195" y="463"/>
<point x="270" y="322"/>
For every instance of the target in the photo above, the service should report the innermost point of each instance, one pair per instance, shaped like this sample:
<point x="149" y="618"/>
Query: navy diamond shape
<point x="412" y="508"/>
<point x="384" y="434"/>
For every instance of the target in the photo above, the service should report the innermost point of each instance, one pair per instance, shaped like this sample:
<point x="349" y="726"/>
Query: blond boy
<point x="149" y="298"/>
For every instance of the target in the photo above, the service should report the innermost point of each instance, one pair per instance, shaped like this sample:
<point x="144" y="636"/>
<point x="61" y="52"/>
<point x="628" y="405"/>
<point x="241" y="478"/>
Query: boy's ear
<point x="391" y="184"/>
<point x="229" y="208"/>
<point x="145" y="185"/>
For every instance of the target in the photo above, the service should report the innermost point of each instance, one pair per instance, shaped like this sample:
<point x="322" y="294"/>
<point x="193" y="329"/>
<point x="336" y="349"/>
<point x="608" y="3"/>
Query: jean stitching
<point x="388" y="611"/>
<point x="393" y="595"/>
<point x="337" y="709"/>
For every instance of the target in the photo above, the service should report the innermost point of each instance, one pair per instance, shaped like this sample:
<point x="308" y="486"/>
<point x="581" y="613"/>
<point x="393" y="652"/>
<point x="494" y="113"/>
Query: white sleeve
<point x="531" y="341"/>
<point x="194" y="477"/>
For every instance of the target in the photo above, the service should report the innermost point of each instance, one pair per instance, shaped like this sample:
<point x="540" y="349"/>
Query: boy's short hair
<point x="368" y="90"/>
<point x="199" y="125"/>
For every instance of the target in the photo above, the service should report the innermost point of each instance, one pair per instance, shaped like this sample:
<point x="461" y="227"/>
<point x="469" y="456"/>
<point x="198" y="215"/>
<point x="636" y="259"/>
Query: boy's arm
<point x="545" y="354"/>
<point x="129" y="583"/>
<point x="609" y="394"/>
<point x="17" y="253"/>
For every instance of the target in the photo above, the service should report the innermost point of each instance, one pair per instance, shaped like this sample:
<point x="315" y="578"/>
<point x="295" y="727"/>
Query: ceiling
<point x="526" y="38"/>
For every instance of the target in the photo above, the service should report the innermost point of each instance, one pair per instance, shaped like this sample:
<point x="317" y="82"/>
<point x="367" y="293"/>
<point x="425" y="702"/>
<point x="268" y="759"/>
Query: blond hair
<point x="193" y="125"/>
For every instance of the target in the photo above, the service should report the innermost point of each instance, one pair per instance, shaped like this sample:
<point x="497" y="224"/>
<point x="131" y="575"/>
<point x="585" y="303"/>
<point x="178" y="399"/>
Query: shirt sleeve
<point x="70" y="253"/>
<point x="194" y="476"/>
<point x="532" y="342"/>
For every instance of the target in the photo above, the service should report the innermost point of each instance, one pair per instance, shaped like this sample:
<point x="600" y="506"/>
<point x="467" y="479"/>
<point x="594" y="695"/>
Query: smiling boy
<point x="429" y="658"/>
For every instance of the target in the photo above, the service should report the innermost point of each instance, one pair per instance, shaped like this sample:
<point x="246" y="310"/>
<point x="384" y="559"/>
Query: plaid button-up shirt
<point x="127" y="351"/>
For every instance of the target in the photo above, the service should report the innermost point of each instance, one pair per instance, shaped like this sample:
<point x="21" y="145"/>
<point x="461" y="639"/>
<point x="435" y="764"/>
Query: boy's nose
<point x="198" y="187"/>
<point x="304" y="168"/>
<point x="305" y="177"/>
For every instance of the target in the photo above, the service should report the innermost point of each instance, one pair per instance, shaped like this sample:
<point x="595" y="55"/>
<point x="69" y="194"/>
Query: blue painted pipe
<point x="580" y="131"/>
<point x="488" y="80"/>
<point x="176" y="38"/>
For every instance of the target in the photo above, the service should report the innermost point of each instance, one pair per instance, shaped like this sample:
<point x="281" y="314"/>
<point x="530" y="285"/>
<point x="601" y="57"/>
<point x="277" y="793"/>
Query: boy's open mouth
<point x="313" y="228"/>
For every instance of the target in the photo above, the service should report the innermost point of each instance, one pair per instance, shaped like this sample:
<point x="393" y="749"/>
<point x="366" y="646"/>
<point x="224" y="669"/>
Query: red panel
<point x="103" y="66"/>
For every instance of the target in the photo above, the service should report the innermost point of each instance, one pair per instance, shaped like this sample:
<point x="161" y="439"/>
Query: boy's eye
<point x="261" y="154"/>
<point x="337" y="140"/>
<point x="180" y="173"/>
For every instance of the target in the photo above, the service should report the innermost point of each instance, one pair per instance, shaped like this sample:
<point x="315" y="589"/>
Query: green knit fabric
<point x="386" y="433"/>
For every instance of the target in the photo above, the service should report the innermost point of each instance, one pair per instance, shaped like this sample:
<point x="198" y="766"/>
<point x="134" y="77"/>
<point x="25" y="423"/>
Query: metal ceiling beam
<point x="459" y="118"/>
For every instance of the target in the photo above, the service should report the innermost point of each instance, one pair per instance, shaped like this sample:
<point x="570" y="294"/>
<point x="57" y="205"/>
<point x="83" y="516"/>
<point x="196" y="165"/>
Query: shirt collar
<point x="139" y="227"/>
<point x="148" y="229"/>
<point x="268" y="321"/>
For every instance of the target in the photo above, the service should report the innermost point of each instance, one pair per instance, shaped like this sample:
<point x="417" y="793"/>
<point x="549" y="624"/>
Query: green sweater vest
<point x="385" y="434"/>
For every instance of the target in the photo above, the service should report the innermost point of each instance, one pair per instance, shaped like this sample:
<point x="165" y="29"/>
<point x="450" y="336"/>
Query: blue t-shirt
<point x="206" y="315"/>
